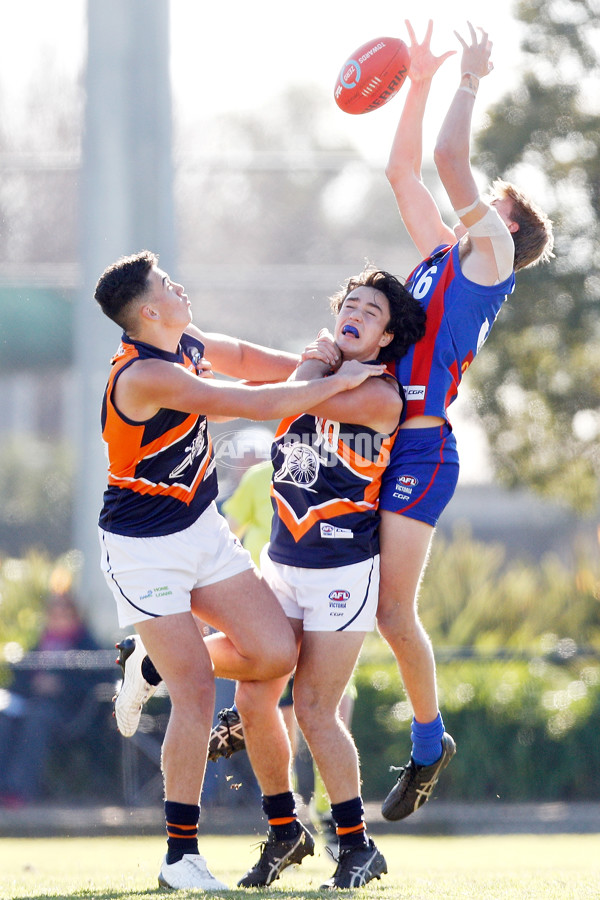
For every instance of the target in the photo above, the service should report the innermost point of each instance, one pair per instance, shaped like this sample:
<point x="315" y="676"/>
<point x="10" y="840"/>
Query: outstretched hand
<point x="476" y="55"/>
<point x="423" y="64"/>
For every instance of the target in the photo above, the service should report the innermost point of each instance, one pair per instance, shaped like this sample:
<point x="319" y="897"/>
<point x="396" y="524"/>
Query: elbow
<point x="391" y="173"/>
<point x="398" y="175"/>
<point x="443" y="155"/>
<point x="449" y="159"/>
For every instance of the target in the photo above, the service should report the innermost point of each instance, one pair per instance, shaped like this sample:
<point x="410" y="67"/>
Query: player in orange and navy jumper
<point x="140" y="501"/>
<point x="168" y="556"/>
<point x="325" y="492"/>
<point x="462" y="282"/>
<point x="323" y="564"/>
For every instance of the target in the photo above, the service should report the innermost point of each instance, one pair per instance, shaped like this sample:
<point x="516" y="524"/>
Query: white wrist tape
<point x="491" y="226"/>
<point x="467" y="209"/>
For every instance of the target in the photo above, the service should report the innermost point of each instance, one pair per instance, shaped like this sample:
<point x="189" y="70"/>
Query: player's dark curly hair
<point x="123" y="282"/>
<point x="407" y="316"/>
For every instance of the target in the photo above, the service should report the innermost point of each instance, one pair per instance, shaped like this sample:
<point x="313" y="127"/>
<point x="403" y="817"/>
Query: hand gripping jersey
<point x="460" y="315"/>
<point x="325" y="492"/>
<point x="161" y="472"/>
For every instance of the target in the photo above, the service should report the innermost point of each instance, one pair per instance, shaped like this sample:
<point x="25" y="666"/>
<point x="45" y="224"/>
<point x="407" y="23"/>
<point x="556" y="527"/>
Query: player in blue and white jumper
<point x="463" y="281"/>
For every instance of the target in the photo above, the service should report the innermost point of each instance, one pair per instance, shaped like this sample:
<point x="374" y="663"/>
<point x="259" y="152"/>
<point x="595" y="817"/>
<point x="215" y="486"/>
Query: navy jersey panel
<point x="325" y="492"/>
<point x="161" y="473"/>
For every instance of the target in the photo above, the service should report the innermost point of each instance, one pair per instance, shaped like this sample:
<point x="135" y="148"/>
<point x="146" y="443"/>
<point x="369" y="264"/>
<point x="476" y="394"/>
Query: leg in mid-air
<point x="400" y="625"/>
<point x="258" y="644"/>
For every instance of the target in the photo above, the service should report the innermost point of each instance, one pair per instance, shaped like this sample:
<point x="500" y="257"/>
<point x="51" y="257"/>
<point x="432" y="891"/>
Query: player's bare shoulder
<point x="487" y="250"/>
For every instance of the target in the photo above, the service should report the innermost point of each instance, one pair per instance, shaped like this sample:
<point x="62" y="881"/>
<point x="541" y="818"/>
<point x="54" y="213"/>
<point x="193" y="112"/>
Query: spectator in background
<point x="41" y="705"/>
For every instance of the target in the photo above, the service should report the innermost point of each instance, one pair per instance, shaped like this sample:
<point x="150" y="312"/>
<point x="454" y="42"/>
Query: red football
<point x="372" y="76"/>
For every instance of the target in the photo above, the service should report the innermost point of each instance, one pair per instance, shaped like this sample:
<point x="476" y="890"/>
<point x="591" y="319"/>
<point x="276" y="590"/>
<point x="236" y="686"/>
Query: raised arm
<point x="418" y="209"/>
<point x="242" y="359"/>
<point x="491" y="249"/>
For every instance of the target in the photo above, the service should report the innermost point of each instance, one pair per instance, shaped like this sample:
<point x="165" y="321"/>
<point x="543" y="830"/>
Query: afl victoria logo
<point x="408" y="480"/>
<point x="339" y="596"/>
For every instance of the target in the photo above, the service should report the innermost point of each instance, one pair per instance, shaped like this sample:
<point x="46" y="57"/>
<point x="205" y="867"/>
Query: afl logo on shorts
<point x="408" y="480"/>
<point x="339" y="597"/>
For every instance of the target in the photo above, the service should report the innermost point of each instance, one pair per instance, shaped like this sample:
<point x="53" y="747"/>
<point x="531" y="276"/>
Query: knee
<point x="255" y="701"/>
<point x="277" y="657"/>
<point x="193" y="695"/>
<point x="311" y="712"/>
<point x="246" y="698"/>
<point x="401" y="627"/>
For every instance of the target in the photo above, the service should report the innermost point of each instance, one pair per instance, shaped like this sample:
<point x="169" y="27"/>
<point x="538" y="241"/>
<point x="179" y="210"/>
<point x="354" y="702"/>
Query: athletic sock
<point x="427" y="741"/>
<point x="149" y="672"/>
<point x="350" y="824"/>
<point x="280" y="810"/>
<point x="182" y="830"/>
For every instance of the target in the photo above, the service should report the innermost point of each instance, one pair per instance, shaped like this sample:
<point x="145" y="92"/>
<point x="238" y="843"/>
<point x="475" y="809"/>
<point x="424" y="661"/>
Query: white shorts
<point x="338" y="599"/>
<point x="154" y="576"/>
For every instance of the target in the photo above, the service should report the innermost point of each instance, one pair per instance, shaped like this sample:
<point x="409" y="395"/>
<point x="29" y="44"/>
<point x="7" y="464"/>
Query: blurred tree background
<point x="538" y="382"/>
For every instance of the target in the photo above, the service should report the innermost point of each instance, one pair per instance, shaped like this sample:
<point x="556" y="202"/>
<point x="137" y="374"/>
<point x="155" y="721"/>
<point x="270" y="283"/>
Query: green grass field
<point x="554" y="867"/>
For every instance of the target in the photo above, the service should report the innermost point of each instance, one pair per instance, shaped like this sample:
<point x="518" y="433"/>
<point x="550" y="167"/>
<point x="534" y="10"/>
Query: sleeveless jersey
<point x="460" y="315"/>
<point x="325" y="492"/>
<point x="161" y="472"/>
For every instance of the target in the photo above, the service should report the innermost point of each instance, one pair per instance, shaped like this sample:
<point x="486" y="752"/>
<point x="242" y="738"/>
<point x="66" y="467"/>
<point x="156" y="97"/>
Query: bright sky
<point x="240" y="55"/>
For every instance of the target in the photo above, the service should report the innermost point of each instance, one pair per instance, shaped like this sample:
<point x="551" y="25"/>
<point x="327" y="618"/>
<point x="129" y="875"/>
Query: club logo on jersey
<point x="333" y="532"/>
<point x="193" y="451"/>
<point x="196" y="357"/>
<point x="300" y="466"/>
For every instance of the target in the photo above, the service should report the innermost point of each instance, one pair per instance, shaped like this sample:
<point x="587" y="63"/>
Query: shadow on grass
<point x="128" y="894"/>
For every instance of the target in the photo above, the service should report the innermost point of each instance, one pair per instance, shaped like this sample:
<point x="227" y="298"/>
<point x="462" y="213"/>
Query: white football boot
<point x="191" y="872"/>
<point x="134" y="690"/>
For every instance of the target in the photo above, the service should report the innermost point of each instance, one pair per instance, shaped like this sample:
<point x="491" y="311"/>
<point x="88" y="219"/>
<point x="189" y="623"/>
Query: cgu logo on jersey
<point x="414" y="391"/>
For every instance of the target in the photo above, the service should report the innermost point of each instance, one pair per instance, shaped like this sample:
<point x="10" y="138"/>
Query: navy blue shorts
<point x="422" y="474"/>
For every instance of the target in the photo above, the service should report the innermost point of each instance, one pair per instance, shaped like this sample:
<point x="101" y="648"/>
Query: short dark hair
<point x="122" y="283"/>
<point x="407" y="316"/>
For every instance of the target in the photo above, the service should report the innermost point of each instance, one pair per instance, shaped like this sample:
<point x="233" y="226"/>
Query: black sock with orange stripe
<point x="182" y="830"/>
<point x="280" y="810"/>
<point x="350" y="824"/>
